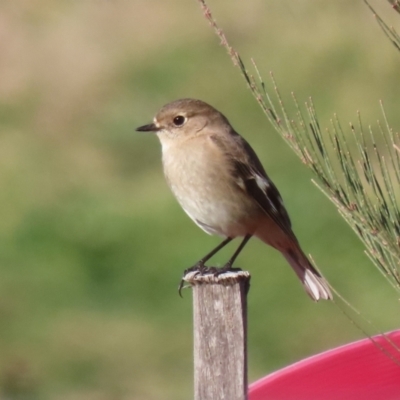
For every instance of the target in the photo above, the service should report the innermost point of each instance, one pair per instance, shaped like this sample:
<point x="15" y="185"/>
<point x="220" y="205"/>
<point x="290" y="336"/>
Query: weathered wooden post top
<point x="220" y="334"/>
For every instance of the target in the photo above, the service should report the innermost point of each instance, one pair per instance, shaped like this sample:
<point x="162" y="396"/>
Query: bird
<point x="220" y="183"/>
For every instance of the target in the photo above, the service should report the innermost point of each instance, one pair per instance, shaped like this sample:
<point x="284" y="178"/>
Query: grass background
<point x="92" y="243"/>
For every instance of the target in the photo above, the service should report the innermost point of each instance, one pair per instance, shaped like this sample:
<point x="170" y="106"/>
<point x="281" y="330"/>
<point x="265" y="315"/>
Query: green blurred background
<point x="92" y="242"/>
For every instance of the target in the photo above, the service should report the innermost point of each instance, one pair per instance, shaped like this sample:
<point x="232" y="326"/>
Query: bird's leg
<point x="200" y="265"/>
<point x="228" y="265"/>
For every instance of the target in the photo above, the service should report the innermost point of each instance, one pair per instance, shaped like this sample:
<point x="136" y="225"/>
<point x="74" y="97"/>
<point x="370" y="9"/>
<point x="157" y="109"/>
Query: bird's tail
<point x="315" y="285"/>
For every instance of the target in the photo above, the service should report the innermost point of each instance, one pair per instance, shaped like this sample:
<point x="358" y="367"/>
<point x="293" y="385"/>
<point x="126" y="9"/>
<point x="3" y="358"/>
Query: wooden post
<point x="220" y="335"/>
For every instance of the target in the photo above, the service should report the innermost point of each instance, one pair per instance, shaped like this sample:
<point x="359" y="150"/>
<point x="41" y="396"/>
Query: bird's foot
<point x="200" y="268"/>
<point x="226" y="268"/>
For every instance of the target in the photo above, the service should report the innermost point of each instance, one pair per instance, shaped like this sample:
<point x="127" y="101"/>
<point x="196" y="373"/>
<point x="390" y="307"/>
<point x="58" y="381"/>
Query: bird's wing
<point x="252" y="178"/>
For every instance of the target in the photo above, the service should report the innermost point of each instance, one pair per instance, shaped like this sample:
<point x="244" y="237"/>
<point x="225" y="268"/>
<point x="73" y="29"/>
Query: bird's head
<point x="185" y="118"/>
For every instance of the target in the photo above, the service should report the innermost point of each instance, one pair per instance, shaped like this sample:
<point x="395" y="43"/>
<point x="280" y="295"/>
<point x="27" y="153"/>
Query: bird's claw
<point x="226" y="268"/>
<point x="200" y="268"/>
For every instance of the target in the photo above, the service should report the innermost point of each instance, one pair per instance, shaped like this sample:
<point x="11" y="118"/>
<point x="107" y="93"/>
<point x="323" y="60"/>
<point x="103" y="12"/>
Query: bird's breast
<point x="202" y="180"/>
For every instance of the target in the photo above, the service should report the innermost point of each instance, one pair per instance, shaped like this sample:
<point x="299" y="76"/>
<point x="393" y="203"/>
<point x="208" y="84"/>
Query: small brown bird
<point x="220" y="183"/>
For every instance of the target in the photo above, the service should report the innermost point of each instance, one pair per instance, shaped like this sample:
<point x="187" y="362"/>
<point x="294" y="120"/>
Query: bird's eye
<point x="179" y="120"/>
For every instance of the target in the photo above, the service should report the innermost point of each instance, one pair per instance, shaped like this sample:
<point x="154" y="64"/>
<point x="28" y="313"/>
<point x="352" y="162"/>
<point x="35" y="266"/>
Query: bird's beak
<point x="148" y="128"/>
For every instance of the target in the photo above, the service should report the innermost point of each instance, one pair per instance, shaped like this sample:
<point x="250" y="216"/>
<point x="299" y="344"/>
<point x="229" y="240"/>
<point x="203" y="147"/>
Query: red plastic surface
<point x="355" y="371"/>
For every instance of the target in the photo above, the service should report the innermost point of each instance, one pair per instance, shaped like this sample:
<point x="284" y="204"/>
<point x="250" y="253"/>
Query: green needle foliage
<point x="390" y="32"/>
<point x="358" y="169"/>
